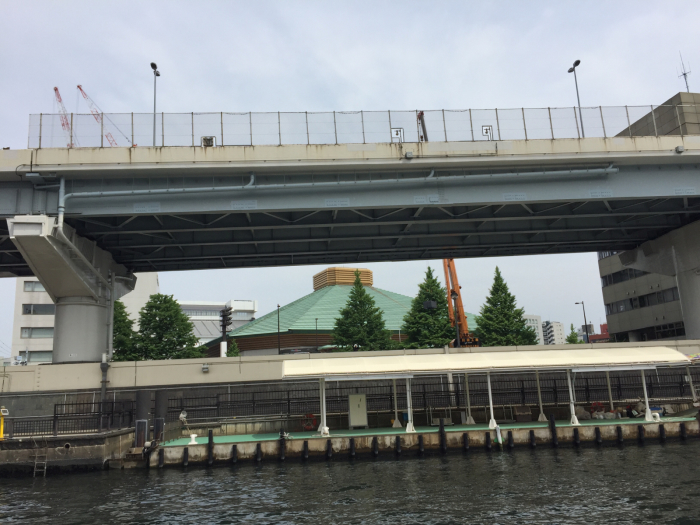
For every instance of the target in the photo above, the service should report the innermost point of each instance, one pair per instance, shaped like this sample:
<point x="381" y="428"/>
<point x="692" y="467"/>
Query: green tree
<point x="165" y="331"/>
<point x="124" y="337"/>
<point x="361" y="322"/>
<point x="500" y="322"/>
<point x="429" y="328"/>
<point x="232" y="349"/>
<point x="572" y="338"/>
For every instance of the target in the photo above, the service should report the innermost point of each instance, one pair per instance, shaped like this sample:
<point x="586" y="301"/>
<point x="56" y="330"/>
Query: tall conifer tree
<point x="361" y="322"/>
<point x="429" y="328"/>
<point x="500" y="322"/>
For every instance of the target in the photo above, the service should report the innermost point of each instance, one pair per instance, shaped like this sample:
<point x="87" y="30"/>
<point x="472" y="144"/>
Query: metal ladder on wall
<point x="40" y="457"/>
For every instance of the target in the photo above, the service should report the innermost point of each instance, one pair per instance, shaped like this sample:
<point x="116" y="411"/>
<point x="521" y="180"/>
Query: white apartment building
<point x="205" y="316"/>
<point x="535" y="322"/>
<point x="32" y="329"/>
<point x="553" y="332"/>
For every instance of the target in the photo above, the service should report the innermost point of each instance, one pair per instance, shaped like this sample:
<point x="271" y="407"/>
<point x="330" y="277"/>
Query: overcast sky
<point x="314" y="56"/>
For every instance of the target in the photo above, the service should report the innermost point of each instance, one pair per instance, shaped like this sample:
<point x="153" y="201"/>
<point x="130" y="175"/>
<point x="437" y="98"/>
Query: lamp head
<point x="157" y="73"/>
<point x="571" y="70"/>
<point x="153" y="66"/>
<point x="577" y="63"/>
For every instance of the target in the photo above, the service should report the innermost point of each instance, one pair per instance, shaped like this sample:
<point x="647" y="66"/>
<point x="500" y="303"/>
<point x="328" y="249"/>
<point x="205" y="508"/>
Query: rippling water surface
<point x="650" y="484"/>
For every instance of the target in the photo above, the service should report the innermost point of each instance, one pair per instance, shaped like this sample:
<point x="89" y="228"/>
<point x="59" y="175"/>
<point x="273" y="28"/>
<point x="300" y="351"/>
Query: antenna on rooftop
<point x="685" y="73"/>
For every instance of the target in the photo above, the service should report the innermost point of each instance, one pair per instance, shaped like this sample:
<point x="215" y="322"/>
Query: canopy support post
<point x="692" y="387"/>
<point x="612" y="405"/>
<point x="492" y="421"/>
<point x="409" y="406"/>
<point x="647" y="412"/>
<point x="323" y="429"/>
<point x="574" y="419"/>
<point x="470" y="419"/>
<point x="541" y="417"/>
<point x="397" y="423"/>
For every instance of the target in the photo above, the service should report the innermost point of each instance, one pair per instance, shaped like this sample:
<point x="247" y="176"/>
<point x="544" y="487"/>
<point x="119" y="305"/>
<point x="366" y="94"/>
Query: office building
<point x="535" y="322"/>
<point x="553" y="333"/>
<point x="206" y="315"/>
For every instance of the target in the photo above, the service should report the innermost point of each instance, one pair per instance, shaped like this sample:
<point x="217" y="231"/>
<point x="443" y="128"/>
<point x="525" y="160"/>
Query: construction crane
<point x="99" y="117"/>
<point x="455" y="307"/>
<point x="65" y="123"/>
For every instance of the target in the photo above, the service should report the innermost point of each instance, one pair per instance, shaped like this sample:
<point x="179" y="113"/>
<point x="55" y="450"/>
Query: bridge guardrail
<point x="353" y="127"/>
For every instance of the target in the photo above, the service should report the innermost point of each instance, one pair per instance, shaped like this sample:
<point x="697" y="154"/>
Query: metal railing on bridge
<point x="353" y="127"/>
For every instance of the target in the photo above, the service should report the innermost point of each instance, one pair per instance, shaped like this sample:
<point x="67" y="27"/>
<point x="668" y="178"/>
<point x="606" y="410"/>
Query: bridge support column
<point x="677" y="254"/>
<point x="81" y="279"/>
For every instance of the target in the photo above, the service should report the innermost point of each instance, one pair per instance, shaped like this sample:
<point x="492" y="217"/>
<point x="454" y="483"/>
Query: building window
<point x="651" y="299"/>
<point x="40" y="357"/>
<point x="201" y="313"/>
<point x="621" y="276"/>
<point x="38" y="309"/>
<point x="605" y="255"/>
<point x="33" y="286"/>
<point x="37" y="333"/>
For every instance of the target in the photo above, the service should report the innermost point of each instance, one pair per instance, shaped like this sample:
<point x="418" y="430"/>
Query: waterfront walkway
<point x="369" y="432"/>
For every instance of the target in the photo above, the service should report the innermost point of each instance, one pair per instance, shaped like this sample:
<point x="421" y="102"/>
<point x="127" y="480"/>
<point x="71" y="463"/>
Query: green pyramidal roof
<point x="325" y="304"/>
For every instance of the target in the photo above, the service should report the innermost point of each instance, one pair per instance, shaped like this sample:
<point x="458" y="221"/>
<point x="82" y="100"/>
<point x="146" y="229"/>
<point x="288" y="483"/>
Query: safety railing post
<point x="391" y="139"/>
<point x="192" y="122"/>
<point x="653" y="118"/>
<point x="71" y="130"/>
<point x="279" y="126"/>
<point x="678" y="116"/>
<point x="629" y="124"/>
<point x="308" y="137"/>
<point x="524" y="125"/>
<point x="551" y="126"/>
<point x="132" y="128"/>
<point x="444" y="124"/>
<point x="362" y="119"/>
<point x="602" y="122"/>
<point x="41" y="118"/>
<point x="471" y="124"/>
<point x="250" y="121"/>
<point x="221" y="116"/>
<point x="498" y="125"/>
<point x="102" y="130"/>
<point x="335" y="129"/>
<point x="162" y="129"/>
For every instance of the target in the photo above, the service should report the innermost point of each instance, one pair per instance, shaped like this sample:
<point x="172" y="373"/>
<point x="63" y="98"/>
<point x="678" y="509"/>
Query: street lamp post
<point x="279" y="346"/>
<point x="580" y="116"/>
<point x="156" y="74"/>
<point x="585" y="321"/>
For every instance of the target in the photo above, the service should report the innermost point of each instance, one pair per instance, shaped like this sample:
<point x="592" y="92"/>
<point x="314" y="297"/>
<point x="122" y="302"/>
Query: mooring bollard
<point x="234" y="454"/>
<point x="553" y="430"/>
<point x="577" y="437"/>
<point x="510" y="440"/>
<point x="352" y="448"/>
<point x="210" y="448"/>
<point x="282" y="446"/>
<point x="598" y="437"/>
<point x="161" y="457"/>
<point x="329" y="449"/>
<point x="465" y="441"/>
<point x="258" y="453"/>
<point x="375" y="446"/>
<point x="443" y="437"/>
<point x="640" y="433"/>
<point x="620" y="436"/>
<point x="305" y="453"/>
<point x="662" y="433"/>
<point x="397" y="446"/>
<point x="185" y="457"/>
<point x="421" y="446"/>
<point x="488" y="441"/>
<point x="684" y="432"/>
<point x="533" y="440"/>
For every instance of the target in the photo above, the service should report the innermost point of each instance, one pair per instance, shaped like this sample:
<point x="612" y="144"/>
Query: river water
<point x="634" y="484"/>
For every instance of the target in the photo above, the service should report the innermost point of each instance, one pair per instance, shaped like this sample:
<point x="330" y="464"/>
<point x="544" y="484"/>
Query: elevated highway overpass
<point x="95" y="215"/>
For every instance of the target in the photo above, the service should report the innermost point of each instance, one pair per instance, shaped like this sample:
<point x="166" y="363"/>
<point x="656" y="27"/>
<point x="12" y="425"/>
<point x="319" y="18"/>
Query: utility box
<point x="357" y="411"/>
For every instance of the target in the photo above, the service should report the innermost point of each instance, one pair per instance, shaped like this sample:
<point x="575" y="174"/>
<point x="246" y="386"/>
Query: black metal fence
<point x="296" y="400"/>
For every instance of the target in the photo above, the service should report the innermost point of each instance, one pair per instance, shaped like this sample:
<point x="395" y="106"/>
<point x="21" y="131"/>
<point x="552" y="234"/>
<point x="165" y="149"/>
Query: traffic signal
<point x="226" y="320"/>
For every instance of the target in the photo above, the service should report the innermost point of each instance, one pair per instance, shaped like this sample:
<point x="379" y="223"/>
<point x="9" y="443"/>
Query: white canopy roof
<point x="367" y="366"/>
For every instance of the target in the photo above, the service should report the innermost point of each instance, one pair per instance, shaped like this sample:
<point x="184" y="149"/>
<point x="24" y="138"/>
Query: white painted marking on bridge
<point x="147" y="207"/>
<point x="601" y="194"/>
<point x="426" y="199"/>
<point x="244" y="205"/>
<point x="515" y="196"/>
<point x="337" y="203"/>
<point x="684" y="191"/>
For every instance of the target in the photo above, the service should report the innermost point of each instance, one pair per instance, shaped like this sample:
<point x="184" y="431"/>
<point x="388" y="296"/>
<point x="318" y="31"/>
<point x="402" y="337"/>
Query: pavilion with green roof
<point x="306" y="325"/>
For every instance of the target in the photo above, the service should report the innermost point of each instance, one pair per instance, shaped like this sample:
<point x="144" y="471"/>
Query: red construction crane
<point x="455" y="307"/>
<point x="99" y="115"/>
<point x="65" y="123"/>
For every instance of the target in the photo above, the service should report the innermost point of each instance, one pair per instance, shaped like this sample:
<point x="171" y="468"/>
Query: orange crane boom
<point x="455" y="307"/>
